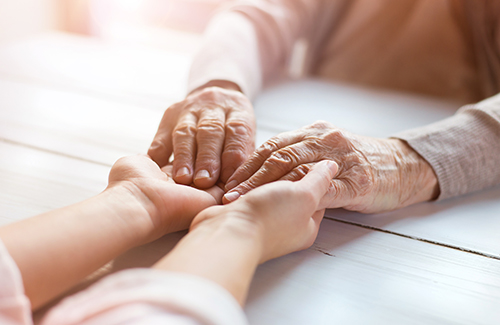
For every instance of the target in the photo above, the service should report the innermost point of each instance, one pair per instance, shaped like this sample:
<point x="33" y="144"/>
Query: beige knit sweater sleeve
<point x="463" y="150"/>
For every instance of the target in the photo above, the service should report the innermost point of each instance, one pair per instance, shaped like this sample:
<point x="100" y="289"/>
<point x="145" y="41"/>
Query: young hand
<point x="170" y="207"/>
<point x="284" y="216"/>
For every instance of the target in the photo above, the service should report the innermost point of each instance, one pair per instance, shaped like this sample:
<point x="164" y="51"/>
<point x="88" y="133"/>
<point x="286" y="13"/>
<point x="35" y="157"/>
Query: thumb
<point x="317" y="181"/>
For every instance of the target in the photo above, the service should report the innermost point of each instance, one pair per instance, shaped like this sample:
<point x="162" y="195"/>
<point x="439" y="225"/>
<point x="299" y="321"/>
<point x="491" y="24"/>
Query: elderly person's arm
<point x="211" y="132"/>
<point x="455" y="156"/>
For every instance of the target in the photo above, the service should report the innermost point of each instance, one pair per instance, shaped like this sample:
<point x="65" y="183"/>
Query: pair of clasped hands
<point x="211" y="136"/>
<point x="274" y="197"/>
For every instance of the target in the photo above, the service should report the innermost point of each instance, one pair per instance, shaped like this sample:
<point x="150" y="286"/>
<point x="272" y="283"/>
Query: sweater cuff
<point x="463" y="150"/>
<point x="229" y="52"/>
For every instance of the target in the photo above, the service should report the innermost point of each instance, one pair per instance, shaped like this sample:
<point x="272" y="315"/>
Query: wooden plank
<point x="354" y="275"/>
<point x="137" y="74"/>
<point x="78" y="125"/>
<point x="34" y="181"/>
<point x="369" y="112"/>
<point x="470" y="222"/>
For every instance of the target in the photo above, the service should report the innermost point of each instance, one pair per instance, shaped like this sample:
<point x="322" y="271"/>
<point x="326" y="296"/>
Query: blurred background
<point x="140" y="21"/>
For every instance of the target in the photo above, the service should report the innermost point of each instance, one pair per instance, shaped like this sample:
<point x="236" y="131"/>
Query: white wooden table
<point x="71" y="106"/>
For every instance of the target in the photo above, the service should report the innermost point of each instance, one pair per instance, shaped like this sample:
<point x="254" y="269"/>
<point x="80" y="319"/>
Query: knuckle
<point x="282" y="161"/>
<point x="241" y="129"/>
<point x="365" y="180"/>
<point x="157" y="144"/>
<point x="268" y="148"/>
<point x="208" y="93"/>
<point x="210" y="126"/>
<point x="299" y="172"/>
<point x="173" y="109"/>
<point x="336" y="136"/>
<point x="184" y="130"/>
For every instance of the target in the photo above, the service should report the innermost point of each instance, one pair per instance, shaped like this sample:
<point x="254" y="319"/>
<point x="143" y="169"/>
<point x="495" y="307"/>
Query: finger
<point x="161" y="148"/>
<point x="239" y="143"/>
<point x="184" y="143"/>
<point x="210" y="140"/>
<point x="318" y="181"/>
<point x="257" y="159"/>
<point x="216" y="192"/>
<point x="280" y="163"/>
<point x="298" y="172"/>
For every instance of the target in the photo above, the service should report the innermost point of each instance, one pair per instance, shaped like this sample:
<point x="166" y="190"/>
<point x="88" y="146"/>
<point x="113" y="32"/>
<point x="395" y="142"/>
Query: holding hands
<point x="374" y="175"/>
<point x="283" y="216"/>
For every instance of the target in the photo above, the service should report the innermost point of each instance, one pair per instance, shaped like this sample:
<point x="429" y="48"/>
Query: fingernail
<point x="231" y="196"/>
<point x="182" y="172"/>
<point x="332" y="165"/>
<point x="202" y="174"/>
<point x="231" y="184"/>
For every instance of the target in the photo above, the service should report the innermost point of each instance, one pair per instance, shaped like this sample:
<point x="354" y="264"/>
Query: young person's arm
<point x="55" y="250"/>
<point x="202" y="280"/>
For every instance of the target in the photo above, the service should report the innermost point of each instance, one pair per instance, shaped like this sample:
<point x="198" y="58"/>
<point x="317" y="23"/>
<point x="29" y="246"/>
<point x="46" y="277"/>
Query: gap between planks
<point x="137" y="99"/>
<point x="54" y="152"/>
<point x="466" y="250"/>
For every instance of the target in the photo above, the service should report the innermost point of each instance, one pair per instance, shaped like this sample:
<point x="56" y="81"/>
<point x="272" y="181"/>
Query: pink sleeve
<point x="145" y="296"/>
<point x="15" y="307"/>
<point x="251" y="42"/>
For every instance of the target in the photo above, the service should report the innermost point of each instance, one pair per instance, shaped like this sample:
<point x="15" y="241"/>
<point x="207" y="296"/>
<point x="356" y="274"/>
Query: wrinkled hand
<point x="284" y="216"/>
<point x="374" y="175"/>
<point x="211" y="133"/>
<point x="170" y="207"/>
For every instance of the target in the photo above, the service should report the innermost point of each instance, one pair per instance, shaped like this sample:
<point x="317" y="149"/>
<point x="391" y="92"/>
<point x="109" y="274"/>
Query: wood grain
<point x="72" y="106"/>
<point x="356" y="276"/>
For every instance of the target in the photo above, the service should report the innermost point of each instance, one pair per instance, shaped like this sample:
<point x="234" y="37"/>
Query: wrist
<point x="224" y="84"/>
<point x="232" y="223"/>
<point x="134" y="211"/>
<point x="222" y="247"/>
<point x="415" y="170"/>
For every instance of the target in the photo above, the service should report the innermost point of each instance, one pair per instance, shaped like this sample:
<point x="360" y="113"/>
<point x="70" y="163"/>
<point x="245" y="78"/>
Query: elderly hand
<point x="169" y="207"/>
<point x="375" y="175"/>
<point x="282" y="217"/>
<point x="210" y="133"/>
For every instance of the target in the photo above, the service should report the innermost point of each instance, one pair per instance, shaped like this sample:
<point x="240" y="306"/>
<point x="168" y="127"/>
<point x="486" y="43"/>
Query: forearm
<point x="229" y="53"/>
<point x="418" y="182"/>
<point x="57" y="249"/>
<point x="224" y="250"/>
